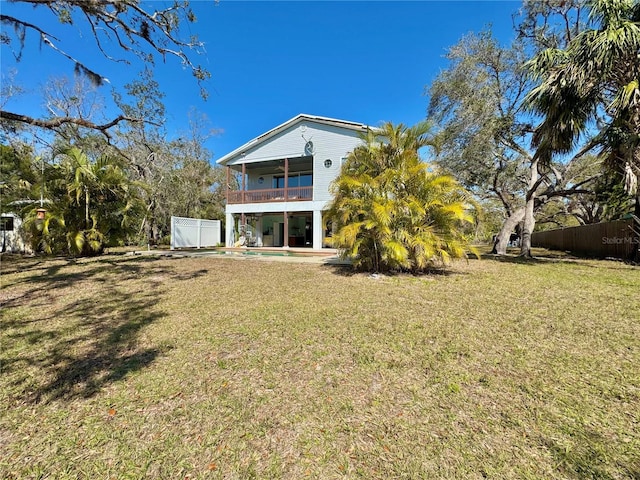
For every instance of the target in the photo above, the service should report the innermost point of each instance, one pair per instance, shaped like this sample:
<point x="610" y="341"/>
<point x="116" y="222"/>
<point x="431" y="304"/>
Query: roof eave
<point x="224" y="160"/>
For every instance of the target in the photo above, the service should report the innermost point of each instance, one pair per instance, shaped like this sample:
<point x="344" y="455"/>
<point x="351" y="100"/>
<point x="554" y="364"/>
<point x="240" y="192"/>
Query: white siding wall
<point x="287" y="143"/>
<point x="330" y="142"/>
<point x="252" y="181"/>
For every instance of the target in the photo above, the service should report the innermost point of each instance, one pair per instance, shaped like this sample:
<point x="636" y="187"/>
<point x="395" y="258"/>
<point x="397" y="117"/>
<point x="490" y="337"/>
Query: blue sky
<point x="361" y="61"/>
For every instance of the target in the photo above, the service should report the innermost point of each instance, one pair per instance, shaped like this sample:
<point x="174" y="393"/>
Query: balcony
<point x="291" y="194"/>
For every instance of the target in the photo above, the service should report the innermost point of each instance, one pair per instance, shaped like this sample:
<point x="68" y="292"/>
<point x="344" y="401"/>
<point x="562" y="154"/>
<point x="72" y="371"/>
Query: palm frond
<point x="391" y="211"/>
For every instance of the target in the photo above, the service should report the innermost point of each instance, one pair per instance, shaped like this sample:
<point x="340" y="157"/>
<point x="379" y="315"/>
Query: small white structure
<point x="194" y="232"/>
<point x="11" y="232"/>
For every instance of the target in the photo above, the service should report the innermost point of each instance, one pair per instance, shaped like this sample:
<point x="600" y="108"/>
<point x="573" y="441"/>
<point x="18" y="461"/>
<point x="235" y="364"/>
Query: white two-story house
<point x="284" y="177"/>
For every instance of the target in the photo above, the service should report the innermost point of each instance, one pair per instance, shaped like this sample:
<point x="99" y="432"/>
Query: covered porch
<point x="303" y="229"/>
<point x="277" y="180"/>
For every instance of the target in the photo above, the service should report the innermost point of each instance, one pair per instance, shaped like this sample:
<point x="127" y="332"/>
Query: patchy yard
<point x="130" y="367"/>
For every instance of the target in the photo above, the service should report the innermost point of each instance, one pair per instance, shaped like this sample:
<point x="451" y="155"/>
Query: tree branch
<point x="569" y="192"/>
<point x="21" y="23"/>
<point x="132" y="27"/>
<point x="54" y="123"/>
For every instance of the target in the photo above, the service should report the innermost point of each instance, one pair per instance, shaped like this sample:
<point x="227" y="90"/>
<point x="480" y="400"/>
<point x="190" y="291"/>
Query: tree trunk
<point x="529" y="217"/>
<point x="147" y="229"/>
<point x="635" y="254"/>
<point x="502" y="239"/>
<point x="156" y="233"/>
<point x="149" y="221"/>
<point x="86" y="208"/>
<point x="527" y="229"/>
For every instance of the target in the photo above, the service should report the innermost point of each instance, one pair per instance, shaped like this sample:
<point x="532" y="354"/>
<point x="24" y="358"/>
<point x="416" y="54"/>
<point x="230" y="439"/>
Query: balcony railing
<point x="291" y="194"/>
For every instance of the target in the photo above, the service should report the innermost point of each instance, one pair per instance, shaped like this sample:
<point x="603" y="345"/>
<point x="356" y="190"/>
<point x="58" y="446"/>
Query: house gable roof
<point x="359" y="127"/>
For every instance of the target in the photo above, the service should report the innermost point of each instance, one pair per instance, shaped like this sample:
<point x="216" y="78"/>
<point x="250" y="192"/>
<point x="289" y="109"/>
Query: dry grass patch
<point x="130" y="367"/>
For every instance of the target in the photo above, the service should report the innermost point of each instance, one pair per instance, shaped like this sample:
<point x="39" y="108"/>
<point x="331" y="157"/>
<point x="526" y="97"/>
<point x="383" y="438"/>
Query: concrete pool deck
<point x="292" y="255"/>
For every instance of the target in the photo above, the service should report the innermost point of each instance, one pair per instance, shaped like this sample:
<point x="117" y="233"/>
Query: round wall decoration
<point x="309" y="149"/>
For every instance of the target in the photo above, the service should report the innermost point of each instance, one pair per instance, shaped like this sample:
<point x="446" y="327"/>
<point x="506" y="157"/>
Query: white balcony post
<point x="244" y="181"/>
<point x="229" y="229"/>
<point x="258" y="231"/>
<point x="286" y="230"/>
<point x="318" y="231"/>
<point x="286" y="179"/>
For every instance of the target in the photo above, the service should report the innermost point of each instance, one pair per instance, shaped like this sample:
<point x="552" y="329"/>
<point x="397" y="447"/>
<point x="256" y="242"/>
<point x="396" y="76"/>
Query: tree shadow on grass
<point x="588" y="458"/>
<point x="74" y="328"/>
<point x="349" y="271"/>
<point x="551" y="259"/>
<point x="14" y="263"/>
<point x="515" y="259"/>
<point x="343" y="270"/>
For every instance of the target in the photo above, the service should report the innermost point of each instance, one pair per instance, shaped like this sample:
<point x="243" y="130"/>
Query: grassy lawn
<point x="132" y="367"/>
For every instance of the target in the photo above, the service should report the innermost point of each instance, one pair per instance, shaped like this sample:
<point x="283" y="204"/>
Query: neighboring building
<point x="12" y="239"/>
<point x="285" y="175"/>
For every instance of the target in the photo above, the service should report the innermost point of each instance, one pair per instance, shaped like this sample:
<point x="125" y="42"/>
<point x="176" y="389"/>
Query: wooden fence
<point x="609" y="239"/>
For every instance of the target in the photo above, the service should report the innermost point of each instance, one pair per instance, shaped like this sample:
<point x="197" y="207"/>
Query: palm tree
<point x="391" y="211"/>
<point x="93" y="202"/>
<point x="111" y="202"/>
<point x="593" y="84"/>
<point x="81" y="179"/>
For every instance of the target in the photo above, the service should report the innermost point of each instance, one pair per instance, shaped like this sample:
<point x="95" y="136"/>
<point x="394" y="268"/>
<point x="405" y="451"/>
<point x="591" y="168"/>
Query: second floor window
<point x="295" y="180"/>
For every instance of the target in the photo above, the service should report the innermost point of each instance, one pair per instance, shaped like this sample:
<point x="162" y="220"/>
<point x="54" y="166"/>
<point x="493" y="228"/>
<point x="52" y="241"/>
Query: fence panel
<point x="609" y="239"/>
<point x="194" y="232"/>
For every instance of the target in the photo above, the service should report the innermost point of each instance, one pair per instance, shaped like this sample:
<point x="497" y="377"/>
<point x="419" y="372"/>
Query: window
<point x="6" y="224"/>
<point x="295" y="180"/>
<point x="305" y="180"/>
<point x="278" y="182"/>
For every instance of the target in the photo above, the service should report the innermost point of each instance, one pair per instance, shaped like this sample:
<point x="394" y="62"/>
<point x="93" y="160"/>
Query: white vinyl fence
<point x="194" y="232"/>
